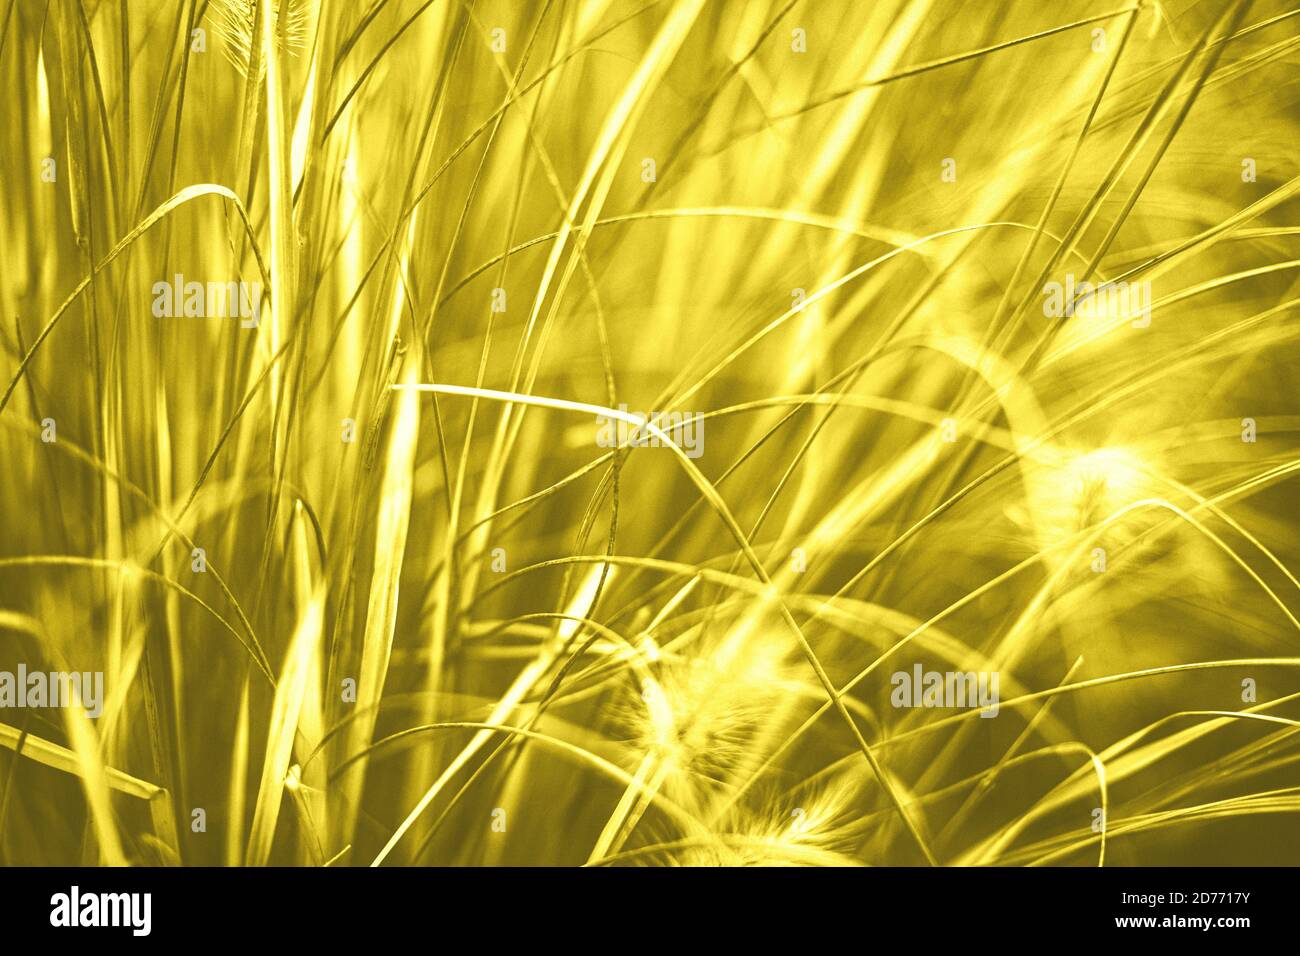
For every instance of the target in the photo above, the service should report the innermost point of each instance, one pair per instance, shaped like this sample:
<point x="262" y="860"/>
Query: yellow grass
<point x="370" y="582"/>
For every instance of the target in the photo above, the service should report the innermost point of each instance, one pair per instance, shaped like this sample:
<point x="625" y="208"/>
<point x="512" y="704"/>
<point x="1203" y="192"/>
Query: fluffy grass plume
<point x="650" y="432"/>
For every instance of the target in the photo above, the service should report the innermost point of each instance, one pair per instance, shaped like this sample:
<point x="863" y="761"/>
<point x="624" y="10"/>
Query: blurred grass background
<point x="444" y="626"/>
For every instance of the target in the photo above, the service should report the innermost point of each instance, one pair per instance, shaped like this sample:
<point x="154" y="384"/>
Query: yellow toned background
<point x="367" y="586"/>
